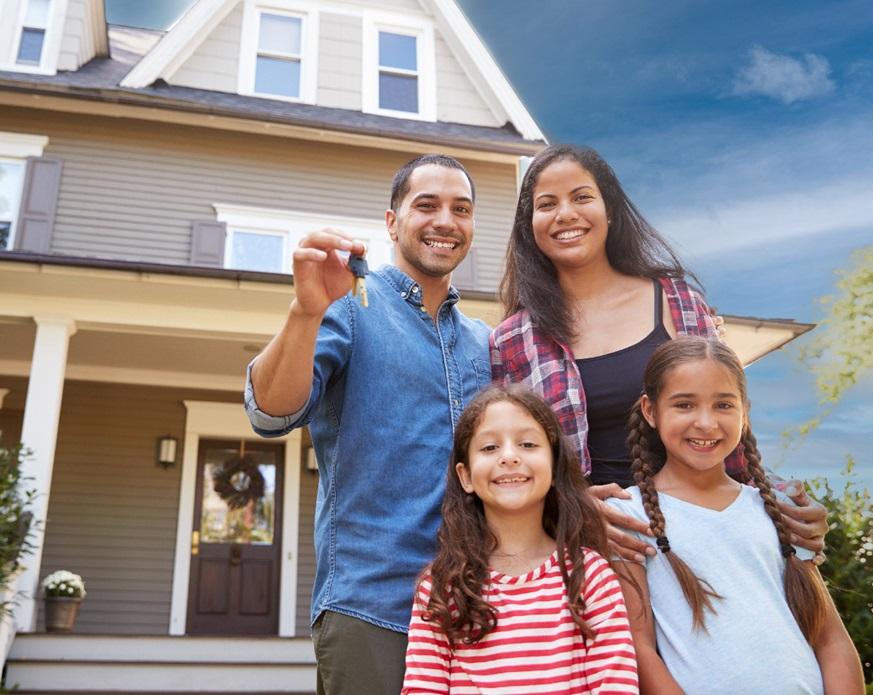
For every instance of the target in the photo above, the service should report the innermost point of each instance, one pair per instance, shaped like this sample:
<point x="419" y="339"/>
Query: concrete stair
<point x="43" y="664"/>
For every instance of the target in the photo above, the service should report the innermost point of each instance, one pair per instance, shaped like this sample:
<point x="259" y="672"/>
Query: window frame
<point x="307" y="13"/>
<point x="293" y="224"/>
<point x="51" y="46"/>
<point x="16" y="148"/>
<point x="422" y="30"/>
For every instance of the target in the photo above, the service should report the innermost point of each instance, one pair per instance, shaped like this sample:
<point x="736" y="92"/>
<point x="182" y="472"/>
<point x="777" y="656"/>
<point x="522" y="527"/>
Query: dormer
<point x="46" y="36"/>
<point x="401" y="59"/>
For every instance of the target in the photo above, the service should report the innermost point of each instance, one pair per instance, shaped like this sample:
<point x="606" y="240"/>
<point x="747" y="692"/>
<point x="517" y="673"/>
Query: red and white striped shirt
<point x="536" y="647"/>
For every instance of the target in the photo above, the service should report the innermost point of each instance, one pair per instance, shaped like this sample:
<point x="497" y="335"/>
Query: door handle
<point x="235" y="555"/>
<point x="195" y="542"/>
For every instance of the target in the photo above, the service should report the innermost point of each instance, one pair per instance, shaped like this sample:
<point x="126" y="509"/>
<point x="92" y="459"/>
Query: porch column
<point x="39" y="433"/>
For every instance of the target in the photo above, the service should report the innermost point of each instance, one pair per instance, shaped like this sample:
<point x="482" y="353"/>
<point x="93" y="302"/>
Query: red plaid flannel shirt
<point x="522" y="353"/>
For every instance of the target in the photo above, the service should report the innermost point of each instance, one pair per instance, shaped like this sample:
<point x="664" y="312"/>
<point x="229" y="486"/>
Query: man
<point x="381" y="388"/>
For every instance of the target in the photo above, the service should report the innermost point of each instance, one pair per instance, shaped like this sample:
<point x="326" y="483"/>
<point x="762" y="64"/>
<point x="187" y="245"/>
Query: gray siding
<point x="215" y="63"/>
<point x="131" y="189"/>
<point x="340" y="50"/>
<point x="113" y="511"/>
<point x="458" y="101"/>
<point x="305" y="548"/>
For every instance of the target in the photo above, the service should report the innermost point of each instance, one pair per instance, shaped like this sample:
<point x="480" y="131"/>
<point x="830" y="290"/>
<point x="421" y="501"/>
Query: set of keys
<point x="358" y="266"/>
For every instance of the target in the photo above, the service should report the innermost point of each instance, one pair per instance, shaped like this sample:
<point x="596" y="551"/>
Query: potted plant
<point x="63" y="592"/>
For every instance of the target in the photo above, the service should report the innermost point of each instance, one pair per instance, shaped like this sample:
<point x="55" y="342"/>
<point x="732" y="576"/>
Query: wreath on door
<point x="238" y="480"/>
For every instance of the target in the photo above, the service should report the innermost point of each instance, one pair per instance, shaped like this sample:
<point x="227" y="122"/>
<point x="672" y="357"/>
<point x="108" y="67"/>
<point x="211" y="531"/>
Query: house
<point x="151" y="187"/>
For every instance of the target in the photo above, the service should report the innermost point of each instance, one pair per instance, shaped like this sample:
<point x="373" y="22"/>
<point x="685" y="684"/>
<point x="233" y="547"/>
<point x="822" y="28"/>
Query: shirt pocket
<point x="482" y="370"/>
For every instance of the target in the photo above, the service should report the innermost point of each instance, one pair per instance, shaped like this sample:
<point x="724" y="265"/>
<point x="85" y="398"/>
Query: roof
<point x="100" y="81"/>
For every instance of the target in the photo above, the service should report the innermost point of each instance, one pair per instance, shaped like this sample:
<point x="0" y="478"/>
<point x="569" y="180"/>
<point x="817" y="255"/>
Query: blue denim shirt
<point x="388" y="386"/>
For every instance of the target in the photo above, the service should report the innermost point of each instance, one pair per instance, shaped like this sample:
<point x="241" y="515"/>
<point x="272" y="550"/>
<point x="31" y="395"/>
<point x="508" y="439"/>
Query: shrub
<point x="15" y="520"/>
<point x="849" y="567"/>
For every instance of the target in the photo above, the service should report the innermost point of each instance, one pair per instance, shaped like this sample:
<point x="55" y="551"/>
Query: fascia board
<point x="99" y="29"/>
<point x="179" y="43"/>
<point x="481" y="67"/>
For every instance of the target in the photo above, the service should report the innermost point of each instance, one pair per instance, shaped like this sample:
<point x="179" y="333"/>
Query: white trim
<point x="179" y="44"/>
<point x="295" y="224"/>
<point x="3" y="394"/>
<point x="39" y="433"/>
<point x="228" y="420"/>
<point x="307" y="12"/>
<point x="422" y="30"/>
<point x="132" y="375"/>
<point x="51" y="46"/>
<point x="17" y="147"/>
<point x="481" y="68"/>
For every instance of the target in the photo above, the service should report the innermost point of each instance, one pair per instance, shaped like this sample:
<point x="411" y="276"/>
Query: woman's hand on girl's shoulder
<point x="623" y="544"/>
<point x="806" y="518"/>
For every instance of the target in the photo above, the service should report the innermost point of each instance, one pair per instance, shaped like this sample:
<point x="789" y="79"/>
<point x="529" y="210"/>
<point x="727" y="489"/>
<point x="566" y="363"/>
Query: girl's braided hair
<point x="459" y="573"/>
<point x="804" y="589"/>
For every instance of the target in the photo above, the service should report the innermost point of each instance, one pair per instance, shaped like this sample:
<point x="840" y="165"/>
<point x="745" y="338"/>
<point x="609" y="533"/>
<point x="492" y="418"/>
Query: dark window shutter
<point x="464" y="277"/>
<point x="39" y="202"/>
<point x="207" y="243"/>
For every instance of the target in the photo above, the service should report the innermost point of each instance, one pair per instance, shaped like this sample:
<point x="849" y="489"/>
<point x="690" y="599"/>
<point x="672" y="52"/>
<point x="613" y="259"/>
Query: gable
<point x="335" y="61"/>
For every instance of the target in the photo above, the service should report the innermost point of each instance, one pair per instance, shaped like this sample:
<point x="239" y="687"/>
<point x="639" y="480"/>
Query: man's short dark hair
<point x="400" y="184"/>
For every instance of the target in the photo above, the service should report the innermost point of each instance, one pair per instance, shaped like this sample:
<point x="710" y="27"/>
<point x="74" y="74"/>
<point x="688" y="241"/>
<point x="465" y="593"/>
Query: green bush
<point x="849" y="567"/>
<point x="15" y="519"/>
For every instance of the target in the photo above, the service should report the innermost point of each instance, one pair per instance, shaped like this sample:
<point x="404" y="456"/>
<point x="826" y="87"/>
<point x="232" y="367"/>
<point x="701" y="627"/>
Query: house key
<point x="358" y="266"/>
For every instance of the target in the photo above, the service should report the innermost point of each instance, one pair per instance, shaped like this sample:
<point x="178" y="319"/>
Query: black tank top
<point x="613" y="382"/>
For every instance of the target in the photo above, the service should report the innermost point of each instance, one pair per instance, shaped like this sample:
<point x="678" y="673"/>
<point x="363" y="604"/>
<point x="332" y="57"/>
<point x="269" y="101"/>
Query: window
<point x="33" y="31"/>
<point x="398" y="72"/>
<point x="277" y="70"/>
<point x="15" y="148"/>
<point x="263" y="239"/>
<point x="279" y="50"/>
<point x="398" y="67"/>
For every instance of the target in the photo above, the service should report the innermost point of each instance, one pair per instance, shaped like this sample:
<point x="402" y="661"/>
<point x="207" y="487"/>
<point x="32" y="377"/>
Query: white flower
<point x="63" y="583"/>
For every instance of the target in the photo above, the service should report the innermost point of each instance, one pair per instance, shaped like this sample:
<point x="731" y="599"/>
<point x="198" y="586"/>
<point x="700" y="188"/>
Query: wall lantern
<point x="165" y="451"/>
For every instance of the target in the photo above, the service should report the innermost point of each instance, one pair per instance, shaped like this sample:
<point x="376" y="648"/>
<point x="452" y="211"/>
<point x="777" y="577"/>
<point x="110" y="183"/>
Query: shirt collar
<point x="408" y="288"/>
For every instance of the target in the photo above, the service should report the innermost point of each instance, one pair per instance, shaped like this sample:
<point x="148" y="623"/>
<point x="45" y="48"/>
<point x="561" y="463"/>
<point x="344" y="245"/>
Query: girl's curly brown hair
<point x="464" y="543"/>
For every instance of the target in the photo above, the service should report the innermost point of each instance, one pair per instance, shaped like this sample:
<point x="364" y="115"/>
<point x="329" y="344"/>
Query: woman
<point x="591" y="290"/>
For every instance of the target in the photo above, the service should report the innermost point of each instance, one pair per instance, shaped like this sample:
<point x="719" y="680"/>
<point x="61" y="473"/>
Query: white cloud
<point x="784" y="78"/>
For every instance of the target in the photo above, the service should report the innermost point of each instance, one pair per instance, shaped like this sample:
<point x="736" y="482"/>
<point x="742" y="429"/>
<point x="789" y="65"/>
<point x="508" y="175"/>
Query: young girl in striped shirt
<point x="726" y="605"/>
<point x="519" y="599"/>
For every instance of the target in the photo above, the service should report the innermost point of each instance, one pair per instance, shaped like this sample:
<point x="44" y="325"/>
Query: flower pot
<point x="60" y="613"/>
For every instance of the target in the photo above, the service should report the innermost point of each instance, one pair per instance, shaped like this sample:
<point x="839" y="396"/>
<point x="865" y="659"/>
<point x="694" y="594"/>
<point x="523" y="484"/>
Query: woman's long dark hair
<point x="460" y="571"/>
<point x="633" y="246"/>
<point x="804" y="589"/>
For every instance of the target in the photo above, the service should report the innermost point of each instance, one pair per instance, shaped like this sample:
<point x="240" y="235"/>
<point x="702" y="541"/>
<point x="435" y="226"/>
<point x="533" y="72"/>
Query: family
<point x="573" y="502"/>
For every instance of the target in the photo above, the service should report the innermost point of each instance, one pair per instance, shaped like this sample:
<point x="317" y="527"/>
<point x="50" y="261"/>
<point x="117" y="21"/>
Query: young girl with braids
<point x="519" y="599"/>
<point x="735" y="607"/>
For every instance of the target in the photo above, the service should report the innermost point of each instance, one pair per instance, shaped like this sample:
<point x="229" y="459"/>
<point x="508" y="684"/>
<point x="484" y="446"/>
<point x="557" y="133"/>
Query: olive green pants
<point x="356" y="657"/>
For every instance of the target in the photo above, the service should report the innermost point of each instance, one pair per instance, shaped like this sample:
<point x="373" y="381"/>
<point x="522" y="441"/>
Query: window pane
<point x="238" y="503"/>
<point x="257" y="252"/>
<point x="397" y="51"/>
<point x="30" y="50"/>
<point x="398" y="92"/>
<point x="279" y="34"/>
<point x="11" y="178"/>
<point x="37" y="14"/>
<point x="274" y="76"/>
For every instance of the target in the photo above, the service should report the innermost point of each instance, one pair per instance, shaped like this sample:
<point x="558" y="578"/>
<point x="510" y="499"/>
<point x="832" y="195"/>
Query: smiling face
<point x="509" y="461"/>
<point x="432" y="228"/>
<point x="699" y="415"/>
<point x="569" y="216"/>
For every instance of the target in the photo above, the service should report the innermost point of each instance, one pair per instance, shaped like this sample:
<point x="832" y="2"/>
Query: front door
<point x="236" y="541"/>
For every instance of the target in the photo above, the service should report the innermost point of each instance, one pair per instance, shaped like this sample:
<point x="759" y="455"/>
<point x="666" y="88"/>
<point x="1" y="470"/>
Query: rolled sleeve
<point x="269" y="425"/>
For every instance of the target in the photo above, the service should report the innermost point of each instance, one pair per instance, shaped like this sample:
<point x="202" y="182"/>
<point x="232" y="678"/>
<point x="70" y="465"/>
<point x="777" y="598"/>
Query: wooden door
<point x="236" y="541"/>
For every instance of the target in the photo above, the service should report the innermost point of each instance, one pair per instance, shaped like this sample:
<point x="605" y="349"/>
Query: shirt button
<point x="415" y="289"/>
<point x="403" y="294"/>
<point x="457" y="402"/>
<point x="422" y="308"/>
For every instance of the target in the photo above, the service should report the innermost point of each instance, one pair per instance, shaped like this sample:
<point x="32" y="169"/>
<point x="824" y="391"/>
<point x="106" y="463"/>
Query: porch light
<point x="166" y="451"/>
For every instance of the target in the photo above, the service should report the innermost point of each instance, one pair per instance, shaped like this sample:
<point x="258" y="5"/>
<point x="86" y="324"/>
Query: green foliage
<point x="15" y="519"/>
<point x="849" y="567"/>
<point x="842" y="351"/>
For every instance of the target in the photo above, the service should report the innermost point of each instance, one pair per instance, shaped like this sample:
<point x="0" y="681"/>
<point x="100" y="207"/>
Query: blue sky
<point x="741" y="129"/>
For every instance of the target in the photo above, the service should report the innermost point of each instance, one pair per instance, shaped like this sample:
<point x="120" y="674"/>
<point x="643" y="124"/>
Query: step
<point x="41" y="663"/>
